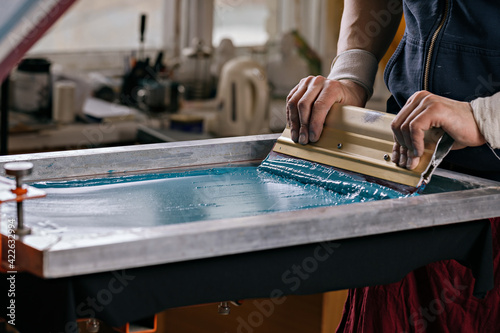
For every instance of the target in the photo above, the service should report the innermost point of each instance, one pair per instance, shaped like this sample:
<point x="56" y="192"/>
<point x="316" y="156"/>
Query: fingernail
<point x="402" y="160"/>
<point x="302" y="139"/>
<point x="415" y="152"/>
<point x="312" y="136"/>
<point x="394" y="158"/>
<point x="409" y="160"/>
<point x="294" y="135"/>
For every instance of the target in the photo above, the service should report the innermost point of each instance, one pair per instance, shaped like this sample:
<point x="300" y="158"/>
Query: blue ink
<point x="328" y="177"/>
<point x="177" y="197"/>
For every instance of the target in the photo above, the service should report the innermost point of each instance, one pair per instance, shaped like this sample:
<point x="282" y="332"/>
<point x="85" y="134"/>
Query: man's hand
<point x="424" y="110"/>
<point x="308" y="103"/>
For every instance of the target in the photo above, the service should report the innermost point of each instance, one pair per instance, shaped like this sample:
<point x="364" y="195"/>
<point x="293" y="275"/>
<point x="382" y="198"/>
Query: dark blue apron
<point x="462" y="63"/>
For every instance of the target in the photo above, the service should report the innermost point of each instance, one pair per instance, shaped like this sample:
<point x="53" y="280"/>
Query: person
<point x="445" y="73"/>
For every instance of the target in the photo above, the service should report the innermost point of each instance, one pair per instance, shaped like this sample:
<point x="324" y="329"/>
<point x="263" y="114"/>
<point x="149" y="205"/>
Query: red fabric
<point x="434" y="298"/>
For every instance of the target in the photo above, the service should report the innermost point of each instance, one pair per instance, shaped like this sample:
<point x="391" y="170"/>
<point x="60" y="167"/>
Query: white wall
<point x="109" y="25"/>
<point x="112" y="26"/>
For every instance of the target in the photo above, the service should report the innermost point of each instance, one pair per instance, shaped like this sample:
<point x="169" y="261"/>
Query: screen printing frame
<point x="80" y="252"/>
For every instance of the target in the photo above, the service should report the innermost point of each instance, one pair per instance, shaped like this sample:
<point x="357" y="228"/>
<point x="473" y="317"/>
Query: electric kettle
<point x="243" y="99"/>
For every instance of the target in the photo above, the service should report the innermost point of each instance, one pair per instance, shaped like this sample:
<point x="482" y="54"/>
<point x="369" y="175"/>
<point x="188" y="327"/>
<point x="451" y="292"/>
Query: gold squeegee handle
<point x="359" y="140"/>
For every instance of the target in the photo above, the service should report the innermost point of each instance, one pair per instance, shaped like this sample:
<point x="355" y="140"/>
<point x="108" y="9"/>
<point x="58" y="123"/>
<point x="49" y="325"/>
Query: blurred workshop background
<point x="125" y="72"/>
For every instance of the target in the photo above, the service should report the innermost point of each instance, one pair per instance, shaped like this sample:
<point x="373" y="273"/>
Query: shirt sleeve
<point x="357" y="65"/>
<point x="486" y="111"/>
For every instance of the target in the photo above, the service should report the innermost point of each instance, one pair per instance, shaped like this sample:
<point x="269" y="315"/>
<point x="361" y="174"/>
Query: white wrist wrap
<point x="357" y="65"/>
<point x="487" y="114"/>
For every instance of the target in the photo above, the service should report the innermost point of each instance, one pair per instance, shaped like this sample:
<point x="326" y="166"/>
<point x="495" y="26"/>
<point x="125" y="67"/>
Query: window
<point x="96" y="27"/>
<point x="245" y="22"/>
<point x="110" y="25"/>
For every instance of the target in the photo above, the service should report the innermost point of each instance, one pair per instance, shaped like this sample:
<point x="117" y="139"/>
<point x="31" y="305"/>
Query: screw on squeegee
<point x="387" y="157"/>
<point x="93" y="325"/>
<point x="224" y="308"/>
<point x="19" y="170"/>
<point x="339" y="145"/>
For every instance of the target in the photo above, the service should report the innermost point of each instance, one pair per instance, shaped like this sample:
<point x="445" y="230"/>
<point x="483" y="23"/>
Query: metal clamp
<point x="19" y="170"/>
<point x="224" y="308"/>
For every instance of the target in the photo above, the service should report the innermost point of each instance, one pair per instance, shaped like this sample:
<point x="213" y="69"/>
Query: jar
<point x="32" y="88"/>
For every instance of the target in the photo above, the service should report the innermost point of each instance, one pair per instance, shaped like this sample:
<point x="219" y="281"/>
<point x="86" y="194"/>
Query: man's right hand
<point x="308" y="103"/>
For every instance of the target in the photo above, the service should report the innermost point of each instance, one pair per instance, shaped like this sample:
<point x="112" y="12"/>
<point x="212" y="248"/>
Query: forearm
<point x="367" y="30"/>
<point x="369" y="25"/>
<point x="353" y="70"/>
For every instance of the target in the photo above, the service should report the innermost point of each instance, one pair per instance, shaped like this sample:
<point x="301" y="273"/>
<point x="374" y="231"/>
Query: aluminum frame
<point x="79" y="252"/>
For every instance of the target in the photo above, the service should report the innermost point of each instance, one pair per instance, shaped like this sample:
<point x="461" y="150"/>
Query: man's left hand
<point x="423" y="111"/>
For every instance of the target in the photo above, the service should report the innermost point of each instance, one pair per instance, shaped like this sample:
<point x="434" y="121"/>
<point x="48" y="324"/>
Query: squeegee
<point x="360" y="141"/>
